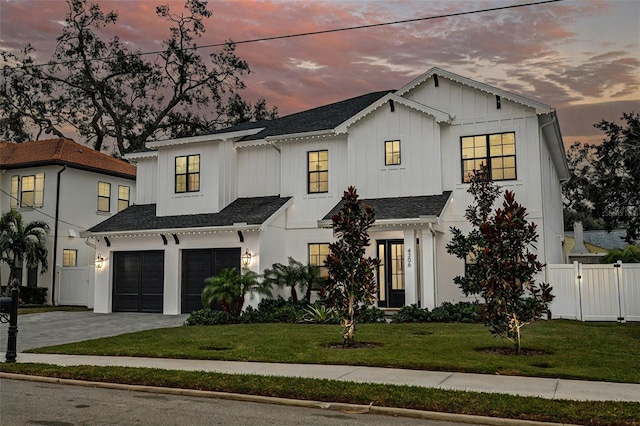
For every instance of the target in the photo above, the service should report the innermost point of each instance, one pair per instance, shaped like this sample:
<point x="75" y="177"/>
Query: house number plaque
<point x="409" y="258"/>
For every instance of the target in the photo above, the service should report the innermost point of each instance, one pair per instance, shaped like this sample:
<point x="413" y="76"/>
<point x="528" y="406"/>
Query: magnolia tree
<point x="351" y="287"/>
<point x="501" y="268"/>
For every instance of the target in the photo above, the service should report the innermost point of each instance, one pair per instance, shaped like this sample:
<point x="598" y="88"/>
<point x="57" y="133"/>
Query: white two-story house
<point x="269" y="188"/>
<point x="71" y="187"/>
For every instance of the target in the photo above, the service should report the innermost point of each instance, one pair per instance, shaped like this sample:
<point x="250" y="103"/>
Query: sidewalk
<point x="578" y="390"/>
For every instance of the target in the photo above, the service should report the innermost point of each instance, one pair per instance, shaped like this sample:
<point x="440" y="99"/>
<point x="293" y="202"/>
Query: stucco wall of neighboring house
<point x="78" y="212"/>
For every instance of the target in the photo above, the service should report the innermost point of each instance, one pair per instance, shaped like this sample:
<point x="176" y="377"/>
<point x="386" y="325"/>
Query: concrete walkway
<point x="525" y="386"/>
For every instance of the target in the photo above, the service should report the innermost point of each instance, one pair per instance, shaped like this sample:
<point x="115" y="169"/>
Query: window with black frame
<point x="497" y="151"/>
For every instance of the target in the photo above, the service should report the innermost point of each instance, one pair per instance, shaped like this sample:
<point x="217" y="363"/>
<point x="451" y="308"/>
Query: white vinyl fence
<point x="75" y="286"/>
<point x="595" y="292"/>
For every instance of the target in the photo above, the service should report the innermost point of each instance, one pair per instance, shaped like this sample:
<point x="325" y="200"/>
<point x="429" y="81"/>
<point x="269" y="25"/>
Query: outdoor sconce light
<point x="246" y="258"/>
<point x="99" y="261"/>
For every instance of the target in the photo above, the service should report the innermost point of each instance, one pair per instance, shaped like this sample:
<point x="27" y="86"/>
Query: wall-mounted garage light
<point x="99" y="261"/>
<point x="246" y="258"/>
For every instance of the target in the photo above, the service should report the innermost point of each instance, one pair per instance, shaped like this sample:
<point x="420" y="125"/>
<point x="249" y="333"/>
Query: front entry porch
<point x="406" y="274"/>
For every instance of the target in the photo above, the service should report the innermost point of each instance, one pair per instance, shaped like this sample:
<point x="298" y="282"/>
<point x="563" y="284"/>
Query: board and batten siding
<point x="258" y="171"/>
<point x="419" y="171"/>
<point x="147" y="180"/>
<point x="308" y="208"/>
<point x="217" y="184"/>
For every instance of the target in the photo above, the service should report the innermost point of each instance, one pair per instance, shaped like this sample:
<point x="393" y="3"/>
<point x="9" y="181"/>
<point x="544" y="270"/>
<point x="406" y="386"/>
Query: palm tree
<point x="21" y="243"/>
<point x="229" y="289"/>
<point x="285" y="276"/>
<point x="293" y="275"/>
<point x="309" y="279"/>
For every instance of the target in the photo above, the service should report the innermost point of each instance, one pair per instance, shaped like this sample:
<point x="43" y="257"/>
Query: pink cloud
<point x="523" y="50"/>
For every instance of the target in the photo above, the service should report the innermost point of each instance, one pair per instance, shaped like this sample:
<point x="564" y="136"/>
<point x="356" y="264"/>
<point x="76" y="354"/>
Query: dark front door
<point x="391" y="273"/>
<point x="138" y="281"/>
<point x="200" y="264"/>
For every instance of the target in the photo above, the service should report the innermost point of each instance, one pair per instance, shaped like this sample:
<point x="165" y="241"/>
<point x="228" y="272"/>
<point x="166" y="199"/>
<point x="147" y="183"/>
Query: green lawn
<point x="593" y="351"/>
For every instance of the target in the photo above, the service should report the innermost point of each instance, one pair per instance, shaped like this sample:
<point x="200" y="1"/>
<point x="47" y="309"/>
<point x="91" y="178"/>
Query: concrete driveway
<point x="52" y="328"/>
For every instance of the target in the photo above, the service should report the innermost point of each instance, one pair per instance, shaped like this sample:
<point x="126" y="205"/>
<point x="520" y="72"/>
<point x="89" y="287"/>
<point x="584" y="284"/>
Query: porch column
<point x="410" y="268"/>
<point x="428" y="269"/>
<point x="102" y="292"/>
<point x="172" y="281"/>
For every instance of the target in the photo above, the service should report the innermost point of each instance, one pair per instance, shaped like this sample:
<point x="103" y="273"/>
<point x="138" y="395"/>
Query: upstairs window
<point x="188" y="173"/>
<point x="318" y="170"/>
<point x="497" y="151"/>
<point x="123" y="197"/>
<point x="391" y="153"/>
<point x="27" y="191"/>
<point x="104" y="197"/>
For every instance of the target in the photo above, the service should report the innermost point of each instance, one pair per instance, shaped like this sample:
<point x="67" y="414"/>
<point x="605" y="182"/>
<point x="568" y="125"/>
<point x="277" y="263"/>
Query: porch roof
<point x="400" y="209"/>
<point x="242" y="213"/>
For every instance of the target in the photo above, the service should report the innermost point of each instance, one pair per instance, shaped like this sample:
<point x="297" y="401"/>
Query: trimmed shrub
<point x="209" y="317"/>
<point x="460" y="312"/>
<point x="274" y="310"/>
<point x="411" y="313"/>
<point x="29" y="295"/>
<point x="370" y="315"/>
<point x="465" y="312"/>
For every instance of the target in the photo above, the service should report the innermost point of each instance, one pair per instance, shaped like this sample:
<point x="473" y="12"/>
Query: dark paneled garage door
<point x="197" y="265"/>
<point x="138" y="281"/>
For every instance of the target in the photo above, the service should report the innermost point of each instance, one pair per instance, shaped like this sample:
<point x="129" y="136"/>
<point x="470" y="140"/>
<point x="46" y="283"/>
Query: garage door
<point x="197" y="265"/>
<point x="138" y="281"/>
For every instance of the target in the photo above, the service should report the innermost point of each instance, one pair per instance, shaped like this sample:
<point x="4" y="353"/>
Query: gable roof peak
<point x="540" y="107"/>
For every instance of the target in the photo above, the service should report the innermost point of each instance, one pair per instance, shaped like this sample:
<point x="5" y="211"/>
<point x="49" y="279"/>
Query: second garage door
<point x="197" y="265"/>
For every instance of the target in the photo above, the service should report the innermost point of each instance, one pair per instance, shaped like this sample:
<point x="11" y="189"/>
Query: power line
<point x="41" y="212"/>
<point x="281" y="37"/>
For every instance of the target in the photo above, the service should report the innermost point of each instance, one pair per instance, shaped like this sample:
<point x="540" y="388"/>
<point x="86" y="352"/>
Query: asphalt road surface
<point x="32" y="403"/>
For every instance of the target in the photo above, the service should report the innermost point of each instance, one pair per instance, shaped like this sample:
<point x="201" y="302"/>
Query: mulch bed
<point x="510" y="351"/>
<point x="356" y="345"/>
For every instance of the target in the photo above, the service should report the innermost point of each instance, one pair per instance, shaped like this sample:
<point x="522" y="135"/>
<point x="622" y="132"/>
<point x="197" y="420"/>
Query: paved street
<point x="29" y="403"/>
<point x="52" y="328"/>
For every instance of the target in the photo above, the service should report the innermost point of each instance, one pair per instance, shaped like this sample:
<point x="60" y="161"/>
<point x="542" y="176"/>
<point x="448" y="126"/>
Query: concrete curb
<point x="336" y="406"/>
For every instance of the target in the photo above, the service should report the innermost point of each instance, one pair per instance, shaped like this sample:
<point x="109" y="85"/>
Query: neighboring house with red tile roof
<point x="269" y="188"/>
<point x="71" y="187"/>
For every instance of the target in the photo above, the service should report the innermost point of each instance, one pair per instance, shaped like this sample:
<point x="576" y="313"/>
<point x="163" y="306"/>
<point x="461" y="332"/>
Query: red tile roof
<point x="63" y="152"/>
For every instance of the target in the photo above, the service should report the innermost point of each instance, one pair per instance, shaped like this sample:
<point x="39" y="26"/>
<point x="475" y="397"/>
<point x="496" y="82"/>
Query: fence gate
<point x="75" y="286"/>
<point x="595" y="292"/>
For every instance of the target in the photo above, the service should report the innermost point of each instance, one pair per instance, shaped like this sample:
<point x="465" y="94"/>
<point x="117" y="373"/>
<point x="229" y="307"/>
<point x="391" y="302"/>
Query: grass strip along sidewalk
<point x="473" y="403"/>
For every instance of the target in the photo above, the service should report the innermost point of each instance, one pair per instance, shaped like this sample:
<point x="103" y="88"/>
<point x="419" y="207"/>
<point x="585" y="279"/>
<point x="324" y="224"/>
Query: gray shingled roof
<point x="402" y="207"/>
<point x="321" y="118"/>
<point x="142" y="217"/>
<point x="608" y="240"/>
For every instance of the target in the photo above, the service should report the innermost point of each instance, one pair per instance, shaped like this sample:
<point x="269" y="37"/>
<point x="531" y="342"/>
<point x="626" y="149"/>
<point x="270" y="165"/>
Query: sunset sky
<point x="581" y="57"/>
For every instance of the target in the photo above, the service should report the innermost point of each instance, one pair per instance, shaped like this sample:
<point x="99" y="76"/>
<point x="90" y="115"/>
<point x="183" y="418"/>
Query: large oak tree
<point x="109" y="94"/>
<point x="605" y="177"/>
